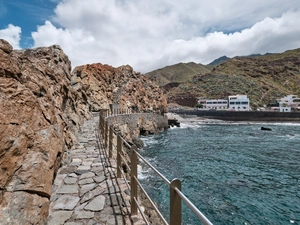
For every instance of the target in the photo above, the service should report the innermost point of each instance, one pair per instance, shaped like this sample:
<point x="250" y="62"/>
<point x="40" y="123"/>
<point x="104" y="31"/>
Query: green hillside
<point x="263" y="78"/>
<point x="181" y="72"/>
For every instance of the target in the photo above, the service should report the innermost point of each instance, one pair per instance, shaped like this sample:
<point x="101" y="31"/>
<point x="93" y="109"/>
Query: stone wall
<point x="133" y="125"/>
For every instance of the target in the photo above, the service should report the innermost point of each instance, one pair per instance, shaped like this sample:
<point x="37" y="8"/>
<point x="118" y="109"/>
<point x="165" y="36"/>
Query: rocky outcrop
<point x="131" y="126"/>
<point x="102" y="85"/>
<point x="42" y="106"/>
<point x="40" y="114"/>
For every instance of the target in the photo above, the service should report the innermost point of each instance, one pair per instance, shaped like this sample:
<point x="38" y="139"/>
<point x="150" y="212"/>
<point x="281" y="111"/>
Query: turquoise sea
<point x="235" y="173"/>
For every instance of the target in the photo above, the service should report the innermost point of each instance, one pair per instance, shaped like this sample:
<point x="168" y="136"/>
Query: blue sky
<point x="150" y="34"/>
<point x="26" y="14"/>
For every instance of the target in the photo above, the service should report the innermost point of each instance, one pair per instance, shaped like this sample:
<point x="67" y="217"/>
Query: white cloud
<point x="151" y="34"/>
<point x="12" y="34"/>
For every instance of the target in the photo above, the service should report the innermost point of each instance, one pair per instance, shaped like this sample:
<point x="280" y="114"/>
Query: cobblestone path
<point x="86" y="190"/>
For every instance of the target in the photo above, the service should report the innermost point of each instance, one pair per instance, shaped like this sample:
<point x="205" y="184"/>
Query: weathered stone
<point x="99" y="179"/>
<point x="97" y="164"/>
<point x="92" y="148"/>
<point x="86" y="175"/>
<point x="66" y="202"/>
<point x="97" y="204"/>
<point x="85" y="188"/>
<point x="23" y="208"/>
<point x="73" y="175"/>
<point x="60" y="217"/>
<point x="73" y="223"/>
<point x="83" y="168"/>
<point x="79" y="208"/>
<point x="97" y="169"/>
<point x="93" y="222"/>
<point x="70" y="180"/>
<point x="115" y="220"/>
<point x="5" y="46"/>
<point x="88" y="196"/>
<point x="112" y="190"/>
<point x="115" y="199"/>
<point x="68" y="189"/>
<point x="59" y="179"/>
<point x="95" y="80"/>
<point x="86" y="181"/>
<point x="85" y="215"/>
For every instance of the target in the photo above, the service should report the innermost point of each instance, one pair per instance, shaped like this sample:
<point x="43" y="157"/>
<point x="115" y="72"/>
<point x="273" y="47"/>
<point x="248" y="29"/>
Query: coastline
<point x="190" y="119"/>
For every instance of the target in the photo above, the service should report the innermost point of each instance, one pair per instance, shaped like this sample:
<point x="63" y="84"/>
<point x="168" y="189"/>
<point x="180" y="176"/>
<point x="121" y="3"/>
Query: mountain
<point x="218" y="60"/>
<point x="181" y="72"/>
<point x="263" y="78"/>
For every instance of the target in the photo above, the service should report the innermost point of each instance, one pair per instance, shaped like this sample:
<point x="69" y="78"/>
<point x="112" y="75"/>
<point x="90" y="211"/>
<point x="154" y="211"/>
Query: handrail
<point x="193" y="207"/>
<point x="175" y="185"/>
<point x="155" y="170"/>
<point x="151" y="202"/>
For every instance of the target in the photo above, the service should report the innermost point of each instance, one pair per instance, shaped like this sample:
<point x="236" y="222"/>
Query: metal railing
<point x="113" y="141"/>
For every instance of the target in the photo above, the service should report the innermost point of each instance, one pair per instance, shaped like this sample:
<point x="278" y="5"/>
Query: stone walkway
<point x="86" y="190"/>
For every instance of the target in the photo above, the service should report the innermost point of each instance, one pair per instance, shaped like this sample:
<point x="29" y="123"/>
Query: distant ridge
<point x="218" y="60"/>
<point x="181" y="72"/>
<point x="263" y="78"/>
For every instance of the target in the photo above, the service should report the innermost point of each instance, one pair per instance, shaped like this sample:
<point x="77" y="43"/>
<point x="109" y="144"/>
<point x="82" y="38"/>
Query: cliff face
<point x="39" y="116"/>
<point x="102" y="85"/>
<point x="41" y="108"/>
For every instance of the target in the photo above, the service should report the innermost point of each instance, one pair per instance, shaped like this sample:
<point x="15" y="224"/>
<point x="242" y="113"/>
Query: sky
<point x="151" y="34"/>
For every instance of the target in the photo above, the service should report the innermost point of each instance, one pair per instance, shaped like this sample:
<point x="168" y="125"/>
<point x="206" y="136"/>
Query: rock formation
<point x="39" y="116"/>
<point x="42" y="106"/>
<point x="102" y="85"/>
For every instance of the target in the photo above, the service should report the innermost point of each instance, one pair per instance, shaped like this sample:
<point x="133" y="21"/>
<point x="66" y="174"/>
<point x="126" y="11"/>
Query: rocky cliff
<point x="39" y="116"/>
<point x="42" y="106"/>
<point x="102" y="85"/>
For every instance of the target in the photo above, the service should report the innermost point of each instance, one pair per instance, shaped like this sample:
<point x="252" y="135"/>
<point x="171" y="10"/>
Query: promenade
<point x="86" y="190"/>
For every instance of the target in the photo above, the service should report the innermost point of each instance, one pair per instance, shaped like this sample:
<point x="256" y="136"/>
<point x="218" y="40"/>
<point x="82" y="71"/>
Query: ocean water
<point x="235" y="173"/>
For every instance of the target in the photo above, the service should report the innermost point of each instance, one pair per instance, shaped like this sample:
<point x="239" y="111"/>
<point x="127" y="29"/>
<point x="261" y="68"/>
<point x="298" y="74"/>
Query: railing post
<point x="175" y="203"/>
<point x="133" y="182"/>
<point x="102" y="124"/>
<point x="119" y="151"/>
<point x="110" y="141"/>
<point x="105" y="135"/>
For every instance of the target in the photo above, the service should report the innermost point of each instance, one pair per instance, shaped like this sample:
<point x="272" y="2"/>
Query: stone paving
<point x="86" y="190"/>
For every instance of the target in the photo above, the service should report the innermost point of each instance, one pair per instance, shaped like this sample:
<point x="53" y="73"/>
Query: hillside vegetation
<point x="263" y="78"/>
<point x="181" y="72"/>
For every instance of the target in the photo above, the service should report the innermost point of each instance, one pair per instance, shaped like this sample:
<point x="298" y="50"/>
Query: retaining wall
<point x="136" y="120"/>
<point x="243" y="115"/>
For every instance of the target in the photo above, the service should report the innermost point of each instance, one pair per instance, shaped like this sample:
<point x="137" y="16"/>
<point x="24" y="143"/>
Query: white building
<point x="217" y="104"/>
<point x="238" y="103"/>
<point x="289" y="103"/>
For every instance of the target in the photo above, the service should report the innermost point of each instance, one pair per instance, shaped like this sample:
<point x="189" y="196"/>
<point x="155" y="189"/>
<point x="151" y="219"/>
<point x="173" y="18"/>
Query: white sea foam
<point x="143" y="172"/>
<point x="149" y="140"/>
